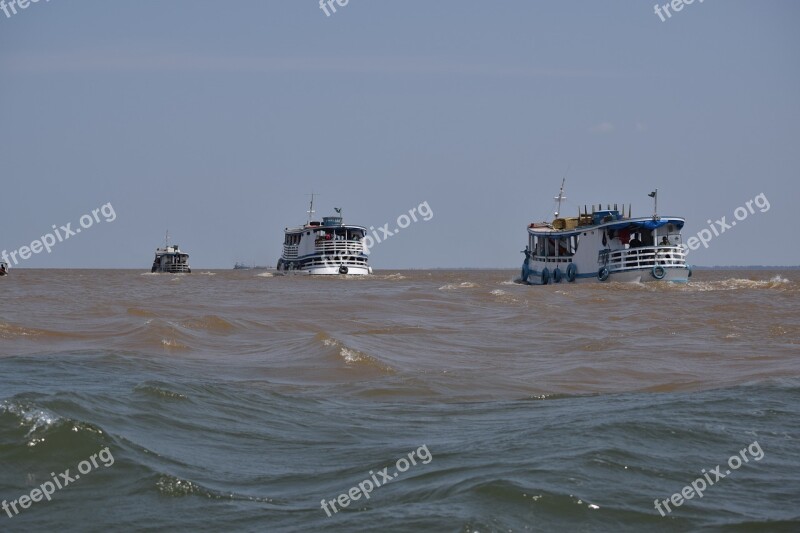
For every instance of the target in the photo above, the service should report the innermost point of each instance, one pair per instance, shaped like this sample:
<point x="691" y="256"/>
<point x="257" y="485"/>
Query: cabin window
<point x="553" y="247"/>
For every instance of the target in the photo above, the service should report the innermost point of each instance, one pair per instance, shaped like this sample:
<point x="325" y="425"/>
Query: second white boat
<point x="330" y="247"/>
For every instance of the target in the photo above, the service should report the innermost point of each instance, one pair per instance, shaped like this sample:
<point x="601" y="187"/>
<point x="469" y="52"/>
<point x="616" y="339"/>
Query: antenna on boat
<point x="310" y="209"/>
<point x="654" y="196"/>
<point x="560" y="196"/>
<point x="166" y="240"/>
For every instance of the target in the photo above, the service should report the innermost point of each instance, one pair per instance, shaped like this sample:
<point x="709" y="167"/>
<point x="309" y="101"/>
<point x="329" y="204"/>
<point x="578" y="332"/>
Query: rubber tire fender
<point x="572" y="272"/>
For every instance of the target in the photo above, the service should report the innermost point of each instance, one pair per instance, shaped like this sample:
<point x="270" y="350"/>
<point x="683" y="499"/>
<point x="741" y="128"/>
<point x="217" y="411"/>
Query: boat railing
<point x="552" y="258"/>
<point x="642" y="257"/>
<point x="339" y="247"/>
<point x="290" y="251"/>
<point x="328" y="261"/>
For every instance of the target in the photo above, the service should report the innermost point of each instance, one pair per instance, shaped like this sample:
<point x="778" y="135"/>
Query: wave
<point x="135" y="311"/>
<point x="175" y="487"/>
<point x="25" y="423"/>
<point x="353" y="357"/>
<point x="10" y="331"/>
<point x="159" y="391"/>
<point x="503" y="296"/>
<point x="183" y="335"/>
<point x="456" y="286"/>
<point x="211" y="323"/>
<point x="172" y="344"/>
<point x="731" y="284"/>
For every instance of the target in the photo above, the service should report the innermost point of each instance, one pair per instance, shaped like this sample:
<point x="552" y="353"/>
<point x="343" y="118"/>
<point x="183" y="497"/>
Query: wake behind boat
<point x="328" y="247"/>
<point x="605" y="245"/>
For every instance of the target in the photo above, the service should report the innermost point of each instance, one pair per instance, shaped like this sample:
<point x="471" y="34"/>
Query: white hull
<point x="643" y="275"/>
<point x="357" y="270"/>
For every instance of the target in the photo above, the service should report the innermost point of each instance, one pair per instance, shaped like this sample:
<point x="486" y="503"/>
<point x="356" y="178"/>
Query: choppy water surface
<point x="238" y="400"/>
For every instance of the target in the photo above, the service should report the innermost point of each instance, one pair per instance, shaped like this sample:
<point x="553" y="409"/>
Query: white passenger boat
<point x="171" y="260"/>
<point x="605" y="245"/>
<point x="327" y="247"/>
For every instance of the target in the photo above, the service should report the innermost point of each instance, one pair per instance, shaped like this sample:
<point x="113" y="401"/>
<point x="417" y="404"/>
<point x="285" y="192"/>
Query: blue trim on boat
<point x="611" y="273"/>
<point x="325" y="255"/>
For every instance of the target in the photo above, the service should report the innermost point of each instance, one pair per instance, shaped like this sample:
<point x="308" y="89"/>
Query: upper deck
<point x="329" y="237"/>
<point x="605" y="219"/>
<point x="325" y="225"/>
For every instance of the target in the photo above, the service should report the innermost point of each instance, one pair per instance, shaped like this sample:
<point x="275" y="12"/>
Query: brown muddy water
<point x="238" y="400"/>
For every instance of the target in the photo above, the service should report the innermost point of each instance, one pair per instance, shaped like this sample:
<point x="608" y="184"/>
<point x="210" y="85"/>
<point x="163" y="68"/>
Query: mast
<point x="560" y="196"/>
<point x="310" y="210"/>
<point x="654" y="196"/>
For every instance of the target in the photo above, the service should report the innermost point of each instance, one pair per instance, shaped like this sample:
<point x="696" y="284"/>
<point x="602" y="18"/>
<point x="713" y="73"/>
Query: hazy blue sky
<point x="216" y="119"/>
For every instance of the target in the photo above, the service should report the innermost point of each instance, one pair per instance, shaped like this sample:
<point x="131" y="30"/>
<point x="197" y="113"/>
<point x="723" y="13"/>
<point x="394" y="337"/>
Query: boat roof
<point x="647" y="223"/>
<point x="319" y="226"/>
<point x="170" y="250"/>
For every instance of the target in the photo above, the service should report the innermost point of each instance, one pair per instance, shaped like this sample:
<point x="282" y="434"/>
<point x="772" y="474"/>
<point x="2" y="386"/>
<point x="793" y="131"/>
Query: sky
<point x="216" y="120"/>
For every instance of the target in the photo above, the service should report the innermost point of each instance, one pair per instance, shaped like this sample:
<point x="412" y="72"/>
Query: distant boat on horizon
<point x="243" y="266"/>
<point x="171" y="260"/>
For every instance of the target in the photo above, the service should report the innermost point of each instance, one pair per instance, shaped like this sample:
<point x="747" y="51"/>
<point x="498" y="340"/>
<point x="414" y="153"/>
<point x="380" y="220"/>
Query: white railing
<point x="290" y="251"/>
<point x="643" y="257"/>
<point x="329" y="261"/>
<point x="173" y="268"/>
<point x="339" y="247"/>
<point x="552" y="259"/>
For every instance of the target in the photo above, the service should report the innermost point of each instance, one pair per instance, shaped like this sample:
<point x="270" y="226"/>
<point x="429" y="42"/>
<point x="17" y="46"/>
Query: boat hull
<point x="357" y="270"/>
<point x="171" y="269"/>
<point x="325" y="266"/>
<point x="638" y="275"/>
